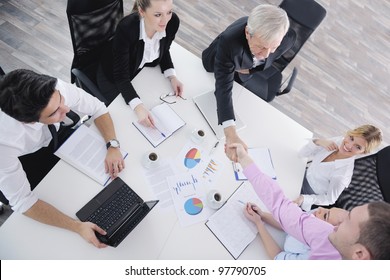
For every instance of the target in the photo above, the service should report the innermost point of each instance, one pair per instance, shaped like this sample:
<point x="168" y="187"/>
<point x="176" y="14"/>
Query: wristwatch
<point x="113" y="143"/>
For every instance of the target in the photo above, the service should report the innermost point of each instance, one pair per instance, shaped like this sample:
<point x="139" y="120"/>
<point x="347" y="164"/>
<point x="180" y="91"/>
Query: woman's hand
<point x="177" y="86"/>
<point x="252" y="211"/>
<point x="299" y="200"/>
<point x="327" y="144"/>
<point x="144" y="116"/>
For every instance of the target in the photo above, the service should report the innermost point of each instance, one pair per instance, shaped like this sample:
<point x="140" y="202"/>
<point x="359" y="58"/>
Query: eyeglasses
<point x="170" y="98"/>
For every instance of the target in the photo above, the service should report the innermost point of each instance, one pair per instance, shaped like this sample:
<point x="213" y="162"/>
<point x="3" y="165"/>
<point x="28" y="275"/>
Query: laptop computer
<point x="117" y="209"/>
<point x="207" y="105"/>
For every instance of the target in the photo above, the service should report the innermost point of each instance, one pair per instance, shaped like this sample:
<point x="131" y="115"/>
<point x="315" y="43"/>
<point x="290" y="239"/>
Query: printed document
<point x="86" y="150"/>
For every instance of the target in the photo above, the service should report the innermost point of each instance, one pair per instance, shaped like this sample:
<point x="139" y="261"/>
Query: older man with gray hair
<point x="240" y="53"/>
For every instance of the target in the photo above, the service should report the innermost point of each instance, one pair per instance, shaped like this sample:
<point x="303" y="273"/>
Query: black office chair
<point x="92" y="26"/>
<point x="3" y="200"/>
<point x="305" y="16"/>
<point x="370" y="181"/>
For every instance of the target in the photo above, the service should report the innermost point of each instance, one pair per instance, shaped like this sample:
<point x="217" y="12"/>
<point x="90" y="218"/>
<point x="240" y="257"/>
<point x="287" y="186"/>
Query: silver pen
<point x="242" y="202"/>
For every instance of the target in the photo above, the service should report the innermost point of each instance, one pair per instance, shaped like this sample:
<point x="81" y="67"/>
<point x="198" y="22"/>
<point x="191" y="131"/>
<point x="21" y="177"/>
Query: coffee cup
<point x="215" y="199"/>
<point x="151" y="160"/>
<point x="198" y="136"/>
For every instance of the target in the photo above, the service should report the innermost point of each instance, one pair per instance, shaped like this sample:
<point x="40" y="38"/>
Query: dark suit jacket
<point x="122" y="65"/>
<point x="230" y="52"/>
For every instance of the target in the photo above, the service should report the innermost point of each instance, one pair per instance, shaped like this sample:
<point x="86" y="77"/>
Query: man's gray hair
<point x="268" y="22"/>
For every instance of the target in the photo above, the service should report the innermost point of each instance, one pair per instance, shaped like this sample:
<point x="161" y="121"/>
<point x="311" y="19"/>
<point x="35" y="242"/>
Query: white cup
<point x="198" y="136"/>
<point x="214" y="199"/>
<point x="151" y="160"/>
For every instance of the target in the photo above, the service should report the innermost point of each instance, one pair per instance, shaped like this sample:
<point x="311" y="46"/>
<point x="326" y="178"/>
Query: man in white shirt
<point x="29" y="102"/>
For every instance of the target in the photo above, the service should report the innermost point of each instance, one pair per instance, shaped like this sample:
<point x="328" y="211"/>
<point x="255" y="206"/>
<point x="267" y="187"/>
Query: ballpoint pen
<point x="214" y="148"/>
<point x="160" y="132"/>
<point x="236" y="167"/>
<point x="252" y="206"/>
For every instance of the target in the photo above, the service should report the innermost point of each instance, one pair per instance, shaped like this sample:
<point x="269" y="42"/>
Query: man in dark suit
<point x="247" y="47"/>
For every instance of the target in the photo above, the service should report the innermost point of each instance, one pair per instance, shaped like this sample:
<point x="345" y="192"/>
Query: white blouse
<point x="327" y="179"/>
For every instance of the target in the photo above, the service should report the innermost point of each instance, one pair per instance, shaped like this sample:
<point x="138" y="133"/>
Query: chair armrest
<point x="291" y="80"/>
<point x="83" y="82"/>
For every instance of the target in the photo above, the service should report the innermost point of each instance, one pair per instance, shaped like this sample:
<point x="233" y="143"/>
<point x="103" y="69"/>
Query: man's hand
<point x="114" y="162"/>
<point x="45" y="213"/>
<point x="232" y="137"/>
<point x="243" y="71"/>
<point x="87" y="231"/>
<point x="144" y="116"/>
<point x="177" y="86"/>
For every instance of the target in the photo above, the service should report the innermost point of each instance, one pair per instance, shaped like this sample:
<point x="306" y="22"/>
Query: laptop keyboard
<point x="109" y="213"/>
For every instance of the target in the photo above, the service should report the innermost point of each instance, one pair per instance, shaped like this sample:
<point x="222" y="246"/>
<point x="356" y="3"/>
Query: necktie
<point x="64" y="129"/>
<point x="54" y="135"/>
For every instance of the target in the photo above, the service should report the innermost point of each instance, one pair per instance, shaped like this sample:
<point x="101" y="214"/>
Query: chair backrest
<point x="370" y="181"/>
<point x="92" y="25"/>
<point x="3" y="199"/>
<point x="383" y="172"/>
<point x="305" y="16"/>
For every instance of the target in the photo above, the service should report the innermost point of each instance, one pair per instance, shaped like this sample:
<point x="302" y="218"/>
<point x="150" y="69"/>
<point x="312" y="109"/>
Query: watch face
<point x="114" y="143"/>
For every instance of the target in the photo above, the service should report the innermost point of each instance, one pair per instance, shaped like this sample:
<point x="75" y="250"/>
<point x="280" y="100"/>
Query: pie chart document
<point x="189" y="196"/>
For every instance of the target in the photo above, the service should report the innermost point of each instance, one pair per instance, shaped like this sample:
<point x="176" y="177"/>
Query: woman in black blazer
<point x="143" y="38"/>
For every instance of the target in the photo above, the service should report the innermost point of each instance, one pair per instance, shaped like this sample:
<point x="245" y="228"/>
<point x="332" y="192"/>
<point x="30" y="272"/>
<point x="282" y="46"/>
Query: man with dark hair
<point x="30" y="103"/>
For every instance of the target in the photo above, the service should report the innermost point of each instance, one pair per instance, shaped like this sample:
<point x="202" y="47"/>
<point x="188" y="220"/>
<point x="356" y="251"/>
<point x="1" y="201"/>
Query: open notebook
<point x="167" y="122"/>
<point x="229" y="224"/>
<point x="207" y="105"/>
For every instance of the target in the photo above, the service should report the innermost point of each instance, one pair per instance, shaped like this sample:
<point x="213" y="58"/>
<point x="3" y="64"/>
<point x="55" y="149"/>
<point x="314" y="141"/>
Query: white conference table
<point x="160" y="235"/>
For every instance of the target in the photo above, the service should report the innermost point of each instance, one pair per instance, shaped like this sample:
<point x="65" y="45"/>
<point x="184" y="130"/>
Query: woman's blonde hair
<point x="370" y="133"/>
<point x="142" y="4"/>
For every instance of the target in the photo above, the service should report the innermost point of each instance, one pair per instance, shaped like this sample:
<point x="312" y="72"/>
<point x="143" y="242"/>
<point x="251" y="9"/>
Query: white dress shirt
<point x="327" y="179"/>
<point x="17" y="139"/>
<point x="151" y="53"/>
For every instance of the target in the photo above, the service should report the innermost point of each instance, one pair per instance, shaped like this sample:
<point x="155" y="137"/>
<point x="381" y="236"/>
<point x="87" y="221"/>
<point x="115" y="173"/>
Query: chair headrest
<point x="306" y="12"/>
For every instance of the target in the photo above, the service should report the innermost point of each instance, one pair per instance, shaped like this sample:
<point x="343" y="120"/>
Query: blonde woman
<point x="142" y="39"/>
<point x="332" y="163"/>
